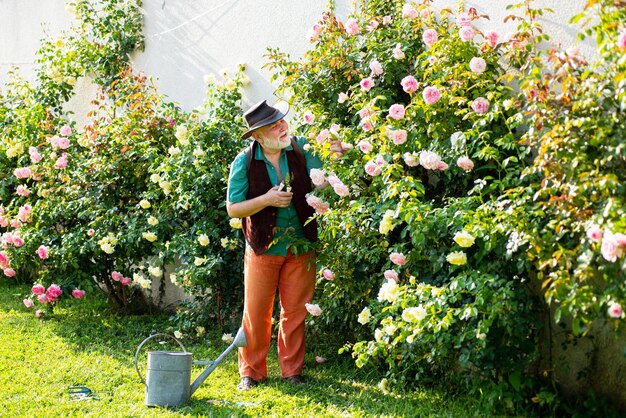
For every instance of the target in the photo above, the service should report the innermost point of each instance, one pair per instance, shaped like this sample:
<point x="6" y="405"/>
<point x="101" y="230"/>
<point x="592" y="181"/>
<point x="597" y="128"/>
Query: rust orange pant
<point x="294" y="276"/>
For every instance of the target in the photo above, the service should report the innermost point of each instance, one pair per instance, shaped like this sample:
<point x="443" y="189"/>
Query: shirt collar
<point x="258" y="154"/>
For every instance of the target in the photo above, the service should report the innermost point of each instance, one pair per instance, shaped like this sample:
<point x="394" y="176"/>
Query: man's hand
<point x="276" y="197"/>
<point x="336" y="148"/>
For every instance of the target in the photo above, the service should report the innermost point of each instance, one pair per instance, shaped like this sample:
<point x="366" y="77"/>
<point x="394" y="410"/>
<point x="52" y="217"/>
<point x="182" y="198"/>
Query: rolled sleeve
<point x="238" y="180"/>
<point x="311" y="158"/>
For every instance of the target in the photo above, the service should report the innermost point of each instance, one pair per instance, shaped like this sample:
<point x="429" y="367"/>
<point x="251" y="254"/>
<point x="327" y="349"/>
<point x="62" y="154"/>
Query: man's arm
<point x="249" y="207"/>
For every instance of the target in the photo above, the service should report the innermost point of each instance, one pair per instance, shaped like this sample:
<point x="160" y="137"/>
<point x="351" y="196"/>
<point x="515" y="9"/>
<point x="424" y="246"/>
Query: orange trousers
<point x="294" y="276"/>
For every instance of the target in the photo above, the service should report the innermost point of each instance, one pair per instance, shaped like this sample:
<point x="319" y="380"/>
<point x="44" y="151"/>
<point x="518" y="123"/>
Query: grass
<point x="84" y="344"/>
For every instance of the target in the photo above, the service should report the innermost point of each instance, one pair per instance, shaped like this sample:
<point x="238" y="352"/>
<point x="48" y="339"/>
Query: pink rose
<point x="320" y="360"/>
<point x="398" y="136"/>
<point x="61" y="162"/>
<point x="22" y="172"/>
<point x="322" y="136"/>
<point x="309" y="117"/>
<point x="116" y="276"/>
<point x="376" y="68"/>
<point x="442" y="165"/>
<point x="366" y="84"/>
<point x="491" y="38"/>
<point x="466" y="33"/>
<point x="125" y="281"/>
<point x="615" y="310"/>
<point x="465" y="163"/>
<point x="477" y="65"/>
<point x="372" y="168"/>
<point x="387" y="20"/>
<point x="91" y="232"/>
<point x="463" y="20"/>
<point x="34" y="155"/>
<point x="409" y="11"/>
<point x="610" y="248"/>
<point x="9" y="272"/>
<point x="410" y="159"/>
<point x="432" y="60"/>
<point x="54" y="141"/>
<point x="4" y="259"/>
<point x="409" y="84"/>
<point x="38" y="289"/>
<point x="53" y="292"/>
<point x="39" y="313"/>
<point x="328" y="274"/>
<point x="621" y="41"/>
<point x="430" y="36"/>
<point x="4" y="222"/>
<point x="28" y="303"/>
<point x="480" y="105"/>
<point x="429" y="160"/>
<point x="314" y="33"/>
<point x="18" y="241"/>
<point x="431" y="95"/>
<point x="396" y="111"/>
<point x="372" y="25"/>
<point x="42" y="252"/>
<point x="352" y="27"/>
<point x="22" y="191"/>
<point x="316" y="203"/>
<point x="15" y="223"/>
<point x="78" y="294"/>
<point x="365" y="146"/>
<point x="391" y="275"/>
<point x="65" y="130"/>
<point x="365" y="112"/>
<point x="367" y="126"/>
<point x="342" y="97"/>
<point x="594" y="233"/>
<point x="341" y="189"/>
<point x="397" y="258"/>
<point x="63" y="143"/>
<point x="43" y="299"/>
<point x="314" y="310"/>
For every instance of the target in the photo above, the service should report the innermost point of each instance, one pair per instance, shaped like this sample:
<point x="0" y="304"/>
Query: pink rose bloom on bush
<point x="432" y="60"/>
<point x="91" y="232"/>
<point x="480" y="105"/>
<point x="63" y="143"/>
<point x="320" y="360"/>
<point x="309" y="117"/>
<point x="376" y="68"/>
<point x="43" y="299"/>
<point x="78" y="294"/>
<point x="391" y="275"/>
<point x="316" y="203"/>
<point x="465" y="163"/>
<point x="396" y="111"/>
<point x="366" y="84"/>
<point x="409" y="84"/>
<point x="38" y="289"/>
<point x="372" y="25"/>
<point x="9" y="272"/>
<point x="22" y="172"/>
<point x="397" y="258"/>
<point x="314" y="33"/>
<point x="466" y="33"/>
<point x="4" y="222"/>
<point x="365" y="146"/>
<point x="431" y="95"/>
<point x="442" y="165"/>
<point x="18" y="241"/>
<point x="314" y="310"/>
<point x="609" y="249"/>
<point x="22" y="191"/>
<point x="594" y="233"/>
<point x="65" y="130"/>
<point x="372" y="168"/>
<point x="398" y="136"/>
<point x="429" y="160"/>
<point x="621" y="41"/>
<point x="352" y="27"/>
<point x="322" y="136"/>
<point x="34" y="155"/>
<point x="341" y="189"/>
<point x="410" y="159"/>
<point x="38" y="314"/>
<point x="492" y="38"/>
<point x="342" y="97"/>
<point x="15" y="223"/>
<point x="28" y="303"/>
<point x="409" y="11"/>
<point x="61" y="161"/>
<point x="615" y="310"/>
<point x="317" y="176"/>
<point x="53" y="292"/>
<point x="126" y="281"/>
<point x="4" y="259"/>
<point x="367" y="125"/>
<point x="116" y="276"/>
<point x="430" y="36"/>
<point x="42" y="252"/>
<point x="477" y="65"/>
<point x="328" y="274"/>
<point x="463" y="20"/>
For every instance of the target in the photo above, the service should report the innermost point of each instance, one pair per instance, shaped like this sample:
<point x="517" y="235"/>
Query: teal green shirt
<point x="285" y="217"/>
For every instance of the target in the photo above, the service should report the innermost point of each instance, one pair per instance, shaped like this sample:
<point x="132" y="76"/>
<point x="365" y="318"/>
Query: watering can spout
<point x="238" y="341"/>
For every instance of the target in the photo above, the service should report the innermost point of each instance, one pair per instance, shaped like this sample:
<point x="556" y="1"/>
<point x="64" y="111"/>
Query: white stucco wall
<point x="186" y="39"/>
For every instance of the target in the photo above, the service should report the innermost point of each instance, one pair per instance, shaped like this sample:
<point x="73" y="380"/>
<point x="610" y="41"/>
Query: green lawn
<point x="83" y="344"/>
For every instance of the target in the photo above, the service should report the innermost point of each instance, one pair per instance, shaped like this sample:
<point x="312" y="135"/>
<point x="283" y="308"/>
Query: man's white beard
<point x="275" y="144"/>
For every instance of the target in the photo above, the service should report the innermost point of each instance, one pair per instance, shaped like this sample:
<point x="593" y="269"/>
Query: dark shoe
<point x="295" y="380"/>
<point x="246" y="384"/>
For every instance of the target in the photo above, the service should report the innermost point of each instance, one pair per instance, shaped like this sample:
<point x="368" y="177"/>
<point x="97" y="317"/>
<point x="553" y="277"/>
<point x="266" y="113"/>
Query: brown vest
<point x="259" y="228"/>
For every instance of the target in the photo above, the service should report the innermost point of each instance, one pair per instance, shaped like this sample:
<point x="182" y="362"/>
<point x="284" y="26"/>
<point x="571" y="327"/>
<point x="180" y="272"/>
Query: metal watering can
<point x="168" y="373"/>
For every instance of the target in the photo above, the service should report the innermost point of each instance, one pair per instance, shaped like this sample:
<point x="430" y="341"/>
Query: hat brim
<point x="279" y="115"/>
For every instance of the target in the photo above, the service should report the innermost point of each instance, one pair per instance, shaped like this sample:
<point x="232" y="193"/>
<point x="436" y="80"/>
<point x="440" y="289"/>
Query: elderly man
<point x="267" y="186"/>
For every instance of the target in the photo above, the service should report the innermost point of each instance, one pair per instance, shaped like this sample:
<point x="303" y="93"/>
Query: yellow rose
<point x="203" y="240"/>
<point x="199" y="261"/>
<point x="153" y="221"/>
<point x="464" y="239"/>
<point x="155" y="178"/>
<point x="149" y="236"/>
<point x="235" y="223"/>
<point x="458" y="258"/>
<point x="107" y="248"/>
<point x="144" y="204"/>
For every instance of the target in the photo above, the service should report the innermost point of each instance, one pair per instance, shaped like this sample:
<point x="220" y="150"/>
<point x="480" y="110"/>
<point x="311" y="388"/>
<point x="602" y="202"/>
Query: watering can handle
<point x="145" y="341"/>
